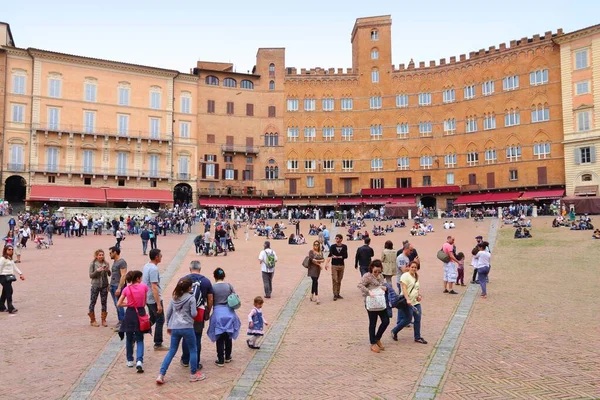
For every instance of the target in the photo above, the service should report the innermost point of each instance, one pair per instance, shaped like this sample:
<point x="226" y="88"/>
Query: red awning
<point x="472" y="198"/>
<point x="139" y="195"/>
<point x="377" y="200"/>
<point x="507" y="197"/>
<point x="216" y="202"/>
<point x="543" y="194"/>
<point x="411" y="191"/>
<point x="350" y="201"/>
<point x="403" y="200"/>
<point x="71" y="194"/>
<point x="246" y="203"/>
<point x="271" y="203"/>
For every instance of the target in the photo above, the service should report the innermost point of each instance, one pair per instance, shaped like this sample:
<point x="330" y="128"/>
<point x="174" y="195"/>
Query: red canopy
<point x="507" y="197"/>
<point x="271" y="203"/>
<point x="472" y="198"/>
<point x="350" y="201"/>
<point x="72" y="194"/>
<point x="543" y="194"/>
<point x="139" y="195"/>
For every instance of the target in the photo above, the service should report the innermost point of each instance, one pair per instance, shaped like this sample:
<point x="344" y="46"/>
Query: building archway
<point x="182" y="193"/>
<point x="15" y="189"/>
<point x="428" y="201"/>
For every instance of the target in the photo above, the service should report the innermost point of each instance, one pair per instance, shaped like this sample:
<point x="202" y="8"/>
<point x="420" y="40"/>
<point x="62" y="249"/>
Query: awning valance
<point x="139" y="195"/>
<point x="543" y="194"/>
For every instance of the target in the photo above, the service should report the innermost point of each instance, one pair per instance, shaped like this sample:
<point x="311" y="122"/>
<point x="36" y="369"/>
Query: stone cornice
<point x="569" y="37"/>
<point x="187" y="77"/>
<point x="97" y="62"/>
<point x="15" y="51"/>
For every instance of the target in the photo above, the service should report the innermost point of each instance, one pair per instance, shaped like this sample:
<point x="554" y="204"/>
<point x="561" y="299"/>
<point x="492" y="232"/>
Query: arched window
<point x="271" y="172"/>
<point x="271" y="140"/>
<point x="272" y="85"/>
<point x="271" y="69"/>
<point x="229" y="82"/>
<point x="586" y="177"/>
<point x="212" y="80"/>
<point x="246" y="84"/>
<point x="374" y="53"/>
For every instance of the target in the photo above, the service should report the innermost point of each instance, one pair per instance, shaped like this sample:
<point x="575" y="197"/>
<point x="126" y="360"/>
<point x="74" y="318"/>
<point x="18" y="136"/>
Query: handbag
<point x="376" y="300"/>
<point x="143" y="320"/>
<point x="306" y="262"/>
<point x="233" y="300"/>
<point x="11" y="278"/>
<point x="443" y="257"/>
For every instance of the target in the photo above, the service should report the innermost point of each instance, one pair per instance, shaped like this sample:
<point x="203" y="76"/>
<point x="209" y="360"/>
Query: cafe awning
<point x="542" y="194"/>
<point x="139" y="195"/>
<point x="70" y="194"/>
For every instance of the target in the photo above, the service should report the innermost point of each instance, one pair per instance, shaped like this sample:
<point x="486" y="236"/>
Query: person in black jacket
<point x="145" y="236"/>
<point x="338" y="253"/>
<point x="364" y="254"/>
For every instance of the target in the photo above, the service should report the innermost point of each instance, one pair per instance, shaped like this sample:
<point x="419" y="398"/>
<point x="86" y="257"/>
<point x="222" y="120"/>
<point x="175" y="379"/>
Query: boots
<point x="93" y="319"/>
<point x="104" y="314"/>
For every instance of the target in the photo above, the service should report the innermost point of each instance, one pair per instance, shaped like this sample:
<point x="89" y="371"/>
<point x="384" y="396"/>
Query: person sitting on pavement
<point x="526" y="234"/>
<point x="596" y="234"/>
<point x="518" y="233"/>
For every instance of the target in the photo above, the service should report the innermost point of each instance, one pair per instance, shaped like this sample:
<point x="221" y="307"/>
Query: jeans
<point x="337" y="274"/>
<point x="223" y="243"/>
<point x="144" y="246"/>
<point x="7" y="293"/>
<point x="315" y="285"/>
<point x="326" y="243"/>
<point x="405" y="317"/>
<point x="120" y="310"/>
<point x="176" y="336"/>
<point x="159" y="320"/>
<point x="138" y="338"/>
<point x="385" y="321"/>
<point x="363" y="269"/>
<point x="153" y="243"/>
<point x="483" y="276"/>
<point x="185" y="357"/>
<point x="224" y="345"/>
<point x="268" y="282"/>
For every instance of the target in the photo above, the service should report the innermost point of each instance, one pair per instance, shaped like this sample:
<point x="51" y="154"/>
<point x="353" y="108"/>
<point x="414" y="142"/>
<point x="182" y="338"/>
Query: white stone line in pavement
<point x="429" y="387"/>
<point x="96" y="371"/>
<point x="257" y="366"/>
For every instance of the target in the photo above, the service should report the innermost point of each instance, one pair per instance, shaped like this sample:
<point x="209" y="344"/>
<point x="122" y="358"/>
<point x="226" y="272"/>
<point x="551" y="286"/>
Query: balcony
<point x="235" y="192"/>
<point x="184" y="176"/>
<point x="90" y="170"/>
<point x="241" y="149"/>
<point x="98" y="131"/>
<point x="15" y="167"/>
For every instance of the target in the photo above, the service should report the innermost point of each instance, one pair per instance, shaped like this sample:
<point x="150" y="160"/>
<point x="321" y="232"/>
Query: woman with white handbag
<point x="373" y="290"/>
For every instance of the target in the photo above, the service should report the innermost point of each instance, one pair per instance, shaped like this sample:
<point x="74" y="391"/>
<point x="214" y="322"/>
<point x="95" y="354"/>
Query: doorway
<point x="15" y="189"/>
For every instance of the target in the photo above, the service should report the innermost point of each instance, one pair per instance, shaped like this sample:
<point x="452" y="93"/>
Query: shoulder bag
<point x="376" y="301"/>
<point x="143" y="320"/>
<point x="233" y="300"/>
<point x="306" y="262"/>
<point x="443" y="257"/>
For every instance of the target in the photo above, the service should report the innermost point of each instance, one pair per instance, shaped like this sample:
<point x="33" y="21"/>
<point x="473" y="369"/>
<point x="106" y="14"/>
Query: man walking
<point x="363" y="257"/>
<point x="325" y="238"/>
<point x="145" y="235"/>
<point x="151" y="278"/>
<point x="202" y="290"/>
<point x="450" y="272"/>
<point x="267" y="259"/>
<point x="297" y="227"/>
<point x="117" y="281"/>
<point x="49" y="231"/>
<point x="338" y="253"/>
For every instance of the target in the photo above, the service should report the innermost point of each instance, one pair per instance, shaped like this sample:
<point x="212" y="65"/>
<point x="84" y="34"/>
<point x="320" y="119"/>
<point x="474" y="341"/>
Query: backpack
<point x="200" y="301"/>
<point x="270" y="259"/>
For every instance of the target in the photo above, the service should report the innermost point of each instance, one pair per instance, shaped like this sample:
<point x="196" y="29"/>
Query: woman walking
<point x="133" y="296"/>
<point x="180" y="325"/>
<point x="370" y="282"/>
<point x="315" y="264"/>
<point x="224" y="322"/>
<point x="388" y="259"/>
<point x="7" y="277"/>
<point x="409" y="281"/>
<point x="99" y="273"/>
<point x="481" y="261"/>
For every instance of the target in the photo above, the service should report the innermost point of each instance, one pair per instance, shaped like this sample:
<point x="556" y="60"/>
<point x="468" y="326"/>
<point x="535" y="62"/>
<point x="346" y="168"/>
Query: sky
<point x="314" y="33"/>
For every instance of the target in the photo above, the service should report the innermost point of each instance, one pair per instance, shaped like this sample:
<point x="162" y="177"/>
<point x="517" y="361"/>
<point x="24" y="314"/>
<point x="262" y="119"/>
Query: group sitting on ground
<point x="559" y="221"/>
<point x="400" y="224"/>
<point x="596" y="234"/>
<point x="293" y="239"/>
<point x="449" y="225"/>
<point x="584" y="223"/>
<point x="522" y="233"/>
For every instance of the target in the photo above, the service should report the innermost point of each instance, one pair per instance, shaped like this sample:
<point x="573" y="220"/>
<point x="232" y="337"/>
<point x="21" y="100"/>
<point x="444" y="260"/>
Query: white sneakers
<point x="130" y="364"/>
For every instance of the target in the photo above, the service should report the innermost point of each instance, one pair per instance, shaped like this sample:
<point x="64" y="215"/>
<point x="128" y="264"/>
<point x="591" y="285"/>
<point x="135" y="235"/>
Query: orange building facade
<point x="487" y="123"/>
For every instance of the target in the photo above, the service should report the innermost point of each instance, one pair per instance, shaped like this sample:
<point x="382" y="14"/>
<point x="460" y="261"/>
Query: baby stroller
<point x="41" y="243"/>
<point x="230" y="245"/>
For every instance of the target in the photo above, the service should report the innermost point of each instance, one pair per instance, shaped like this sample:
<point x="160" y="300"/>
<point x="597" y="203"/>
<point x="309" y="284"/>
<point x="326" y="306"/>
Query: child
<point x="461" y="269"/>
<point x="180" y="324"/>
<point x="255" y="323"/>
<point x="135" y="293"/>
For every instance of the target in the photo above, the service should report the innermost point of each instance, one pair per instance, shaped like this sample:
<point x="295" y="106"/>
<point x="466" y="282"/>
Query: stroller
<point x="41" y="243"/>
<point x="230" y="246"/>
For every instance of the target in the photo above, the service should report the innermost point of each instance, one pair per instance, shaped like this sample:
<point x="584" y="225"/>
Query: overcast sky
<point x="314" y="33"/>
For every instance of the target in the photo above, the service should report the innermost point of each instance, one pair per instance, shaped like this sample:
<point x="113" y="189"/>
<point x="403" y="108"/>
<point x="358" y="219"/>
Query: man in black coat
<point x="364" y="254"/>
<point x="338" y="253"/>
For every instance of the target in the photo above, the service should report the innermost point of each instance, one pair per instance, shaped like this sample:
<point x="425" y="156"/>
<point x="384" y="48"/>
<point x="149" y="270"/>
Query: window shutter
<point x="206" y="157"/>
<point x="577" y="156"/>
<point x="235" y="174"/>
<point x="223" y="173"/>
<point x="328" y="186"/>
<point x="372" y="183"/>
<point x="382" y="183"/>
<point x="203" y="171"/>
<point x="542" y="176"/>
<point x="409" y="182"/>
<point x="491" y="180"/>
<point x="215" y="157"/>
<point x="216" y="171"/>
<point x="271" y="111"/>
<point x="251" y="174"/>
<point x="398" y="184"/>
<point x="593" y="154"/>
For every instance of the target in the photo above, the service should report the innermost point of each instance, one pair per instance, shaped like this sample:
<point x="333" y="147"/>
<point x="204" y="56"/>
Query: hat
<point x="479" y="237"/>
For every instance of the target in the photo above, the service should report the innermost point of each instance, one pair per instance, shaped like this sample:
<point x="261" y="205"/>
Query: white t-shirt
<point x="263" y="260"/>
<point x="482" y="259"/>
<point x="446" y="225"/>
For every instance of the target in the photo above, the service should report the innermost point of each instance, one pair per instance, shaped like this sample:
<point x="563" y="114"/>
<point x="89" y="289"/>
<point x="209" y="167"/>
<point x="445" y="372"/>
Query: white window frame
<point x="469" y="92"/>
<point x="512" y="117"/>
<point x="581" y="62"/>
<point x="584" y="121"/>
<point x="487" y="88"/>
<point x="310" y="165"/>
<point x="328" y="133"/>
<point x="401" y="100"/>
<point x="374" y="34"/>
<point x="124" y="95"/>
<point x="403" y="163"/>
<point x="513" y="153"/>
<point x="425" y="99"/>
<point x="186" y="104"/>
<point x="153" y="165"/>
<point x="52" y="159"/>
<point x="541" y="150"/>
<point x="426" y="162"/>
<point x="230" y="174"/>
<point x="292" y="133"/>
<point x="377" y="164"/>
<point x="582" y="87"/>
<point x="184" y="129"/>
<point x="425" y="128"/>
<point x="374" y="54"/>
<point x="347" y="103"/>
<point x="310" y="181"/>
<point x="402" y="130"/>
<point x="472" y="158"/>
<point x="347" y="165"/>
<point x="449" y="96"/>
<point x="90" y="92"/>
<point x="449" y="126"/>
<point x="89" y="121"/>
<point x="87" y="161"/>
<point x="54" y="118"/>
<point x="375" y="102"/>
<point x="327" y="104"/>
<point x="376" y="131"/>
<point x="375" y="76"/>
<point x="155" y="98"/>
<point x="471" y="124"/>
<point x="310" y="104"/>
<point x="539" y="77"/>
<point x="450" y="160"/>
<point x="54" y="87"/>
<point x="540" y="114"/>
<point x="491" y="156"/>
<point x="123" y="124"/>
<point x="18" y="113"/>
<point x="19" y="83"/>
<point x="377" y="183"/>
<point x="292" y="104"/>
<point x="449" y="178"/>
<point x="510" y="83"/>
<point x="347" y="133"/>
<point x="489" y="122"/>
<point x="310" y="134"/>
<point x="154" y="127"/>
<point x="585" y="155"/>
<point x="513" y="175"/>
<point x="292" y="165"/>
<point x="122" y="163"/>
<point x="17" y="157"/>
<point x="328" y="165"/>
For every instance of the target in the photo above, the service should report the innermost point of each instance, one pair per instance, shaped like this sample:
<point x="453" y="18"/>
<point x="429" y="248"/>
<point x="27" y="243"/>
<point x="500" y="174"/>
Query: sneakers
<point x="160" y="379"/>
<point x="184" y="364"/>
<point x="197" y="377"/>
<point x="219" y="364"/>
<point x="394" y="336"/>
<point x="140" y="367"/>
<point x="453" y="292"/>
<point x="445" y="290"/>
<point x="130" y="364"/>
<point x="340" y="297"/>
<point x="228" y="360"/>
